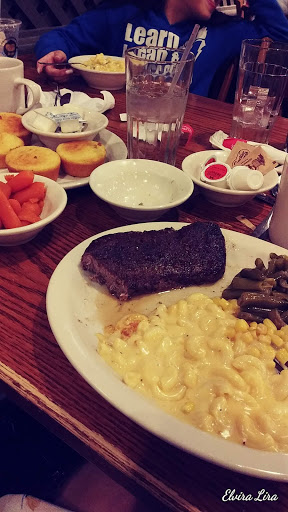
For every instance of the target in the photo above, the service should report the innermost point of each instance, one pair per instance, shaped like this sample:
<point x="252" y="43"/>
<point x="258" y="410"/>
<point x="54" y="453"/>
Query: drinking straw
<point x="183" y="58"/>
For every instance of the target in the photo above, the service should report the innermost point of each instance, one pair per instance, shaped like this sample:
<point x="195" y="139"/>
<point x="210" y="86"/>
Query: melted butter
<point x="109" y="307"/>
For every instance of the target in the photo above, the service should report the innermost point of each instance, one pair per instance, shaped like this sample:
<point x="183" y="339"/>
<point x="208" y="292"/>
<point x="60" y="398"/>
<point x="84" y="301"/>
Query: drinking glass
<point x="9" y="37"/>
<point x="154" y="111"/>
<point x="261" y="83"/>
<point x="278" y="230"/>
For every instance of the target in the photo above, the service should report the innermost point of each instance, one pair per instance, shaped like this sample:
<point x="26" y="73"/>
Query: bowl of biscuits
<point x="66" y="123"/>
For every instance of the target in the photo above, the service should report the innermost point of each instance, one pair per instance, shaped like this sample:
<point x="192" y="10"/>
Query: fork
<point x="61" y="64"/>
<point x="58" y="95"/>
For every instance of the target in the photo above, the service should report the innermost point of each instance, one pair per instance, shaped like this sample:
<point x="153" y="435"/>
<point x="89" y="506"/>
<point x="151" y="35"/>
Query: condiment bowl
<point x="140" y="190"/>
<point x="95" y="123"/>
<point x="106" y="80"/>
<point x="192" y="165"/>
<point x="54" y="204"/>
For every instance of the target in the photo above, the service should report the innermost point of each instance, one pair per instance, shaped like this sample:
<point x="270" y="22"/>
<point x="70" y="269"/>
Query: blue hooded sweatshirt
<point x="111" y="28"/>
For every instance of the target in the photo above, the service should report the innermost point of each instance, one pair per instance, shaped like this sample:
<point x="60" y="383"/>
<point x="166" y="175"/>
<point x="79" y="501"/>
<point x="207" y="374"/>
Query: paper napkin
<point x="47" y="99"/>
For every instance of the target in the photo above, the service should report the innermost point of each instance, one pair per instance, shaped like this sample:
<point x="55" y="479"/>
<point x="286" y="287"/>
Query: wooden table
<point x="36" y="373"/>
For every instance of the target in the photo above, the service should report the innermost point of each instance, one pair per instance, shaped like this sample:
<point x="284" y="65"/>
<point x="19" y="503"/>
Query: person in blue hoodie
<point x="112" y="27"/>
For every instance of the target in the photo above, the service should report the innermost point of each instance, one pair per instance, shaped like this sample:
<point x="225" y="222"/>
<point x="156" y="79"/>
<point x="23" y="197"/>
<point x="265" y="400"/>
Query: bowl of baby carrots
<point x="28" y="203"/>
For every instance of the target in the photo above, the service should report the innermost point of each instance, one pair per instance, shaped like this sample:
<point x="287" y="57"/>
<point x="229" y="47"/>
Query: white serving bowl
<point x="140" y="190"/>
<point x="54" y="204"/>
<point x="95" y="123"/>
<point x="103" y="80"/>
<point x="191" y="166"/>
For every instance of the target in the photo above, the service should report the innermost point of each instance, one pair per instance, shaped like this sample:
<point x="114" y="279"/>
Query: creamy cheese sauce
<point x="188" y="358"/>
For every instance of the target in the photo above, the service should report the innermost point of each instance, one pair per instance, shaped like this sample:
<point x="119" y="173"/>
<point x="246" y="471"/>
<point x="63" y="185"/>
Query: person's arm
<point x="84" y="35"/>
<point x="269" y="19"/>
<point x="96" y="31"/>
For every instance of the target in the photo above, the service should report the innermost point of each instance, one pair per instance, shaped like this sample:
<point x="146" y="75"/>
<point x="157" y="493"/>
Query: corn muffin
<point x="40" y="160"/>
<point x="8" y="141"/>
<point x="12" y="123"/>
<point x="79" y="158"/>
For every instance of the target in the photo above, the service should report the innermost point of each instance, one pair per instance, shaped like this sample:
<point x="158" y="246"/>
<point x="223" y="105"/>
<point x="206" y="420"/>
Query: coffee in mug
<point x="12" y="87"/>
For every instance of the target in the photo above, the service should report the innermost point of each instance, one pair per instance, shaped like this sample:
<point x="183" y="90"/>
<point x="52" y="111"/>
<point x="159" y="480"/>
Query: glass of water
<point x="261" y="83"/>
<point x="154" y="112"/>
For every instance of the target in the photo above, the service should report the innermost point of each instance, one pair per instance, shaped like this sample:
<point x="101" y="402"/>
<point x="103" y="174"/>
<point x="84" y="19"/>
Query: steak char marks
<point x="135" y="263"/>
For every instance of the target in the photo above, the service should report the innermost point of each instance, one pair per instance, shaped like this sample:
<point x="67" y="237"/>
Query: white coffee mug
<point x="12" y="87"/>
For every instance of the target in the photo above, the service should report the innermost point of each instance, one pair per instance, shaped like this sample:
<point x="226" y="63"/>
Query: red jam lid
<point x="231" y="141"/>
<point x="215" y="172"/>
<point x="210" y="160"/>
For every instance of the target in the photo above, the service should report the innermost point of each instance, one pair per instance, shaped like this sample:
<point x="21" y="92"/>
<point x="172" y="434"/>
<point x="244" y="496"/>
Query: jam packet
<point x="259" y="160"/>
<point x="254" y="157"/>
<point x="239" y="153"/>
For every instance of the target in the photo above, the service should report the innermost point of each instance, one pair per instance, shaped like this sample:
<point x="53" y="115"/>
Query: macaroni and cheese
<point x="103" y="63"/>
<point x="207" y="367"/>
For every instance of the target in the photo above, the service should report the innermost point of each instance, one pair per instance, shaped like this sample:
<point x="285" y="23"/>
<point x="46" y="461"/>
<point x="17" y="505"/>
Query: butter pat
<point x="70" y="126"/>
<point x="73" y="109"/>
<point x="44" y="124"/>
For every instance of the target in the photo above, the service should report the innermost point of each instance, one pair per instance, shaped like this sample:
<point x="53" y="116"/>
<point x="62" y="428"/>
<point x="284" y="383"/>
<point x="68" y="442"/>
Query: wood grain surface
<point x="33" y="366"/>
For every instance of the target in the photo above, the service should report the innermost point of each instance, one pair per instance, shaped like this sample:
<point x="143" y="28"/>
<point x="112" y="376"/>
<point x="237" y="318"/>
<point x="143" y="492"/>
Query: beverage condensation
<point x="154" y="113"/>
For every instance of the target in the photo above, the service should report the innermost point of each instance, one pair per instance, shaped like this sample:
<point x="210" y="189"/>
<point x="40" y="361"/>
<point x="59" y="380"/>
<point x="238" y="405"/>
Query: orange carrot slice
<point x="6" y="189"/>
<point x="15" y="205"/>
<point x="8" y="177"/>
<point x="21" y="180"/>
<point x="36" y="190"/>
<point x="31" y="207"/>
<point x="7" y="215"/>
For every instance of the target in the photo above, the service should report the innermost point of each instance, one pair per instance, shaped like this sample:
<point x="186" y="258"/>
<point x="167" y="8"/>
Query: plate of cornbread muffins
<point x="70" y="165"/>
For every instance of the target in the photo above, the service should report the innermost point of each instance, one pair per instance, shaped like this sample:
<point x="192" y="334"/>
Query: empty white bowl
<point x="103" y="80"/>
<point x="95" y="123"/>
<point x="191" y="166"/>
<point x="140" y="190"/>
<point x="54" y="204"/>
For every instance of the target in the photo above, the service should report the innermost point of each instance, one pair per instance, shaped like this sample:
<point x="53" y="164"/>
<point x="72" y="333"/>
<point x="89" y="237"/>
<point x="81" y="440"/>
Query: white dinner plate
<point x="78" y="309"/>
<point x="115" y="150"/>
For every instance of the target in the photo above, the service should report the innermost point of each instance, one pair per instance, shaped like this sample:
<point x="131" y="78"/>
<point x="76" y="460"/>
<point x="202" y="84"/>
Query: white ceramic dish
<point x="191" y="165"/>
<point x="110" y="81"/>
<point x="115" y="150"/>
<point x="140" y="190"/>
<point x="55" y="202"/>
<point x="78" y="309"/>
<point x="95" y="123"/>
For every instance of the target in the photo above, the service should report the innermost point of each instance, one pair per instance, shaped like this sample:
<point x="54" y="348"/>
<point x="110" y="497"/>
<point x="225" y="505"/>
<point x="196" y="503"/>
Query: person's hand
<point x="59" y="74"/>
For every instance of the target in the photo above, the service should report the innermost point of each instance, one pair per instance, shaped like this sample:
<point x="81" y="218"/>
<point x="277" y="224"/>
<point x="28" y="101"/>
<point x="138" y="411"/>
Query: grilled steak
<point x="135" y="263"/>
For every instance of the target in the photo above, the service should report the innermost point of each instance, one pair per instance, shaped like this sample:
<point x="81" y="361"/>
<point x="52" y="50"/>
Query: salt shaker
<point x="278" y="231"/>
